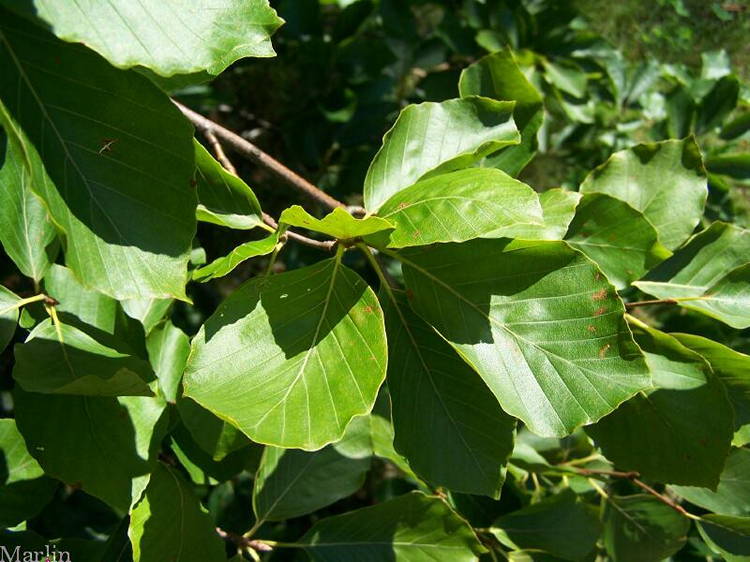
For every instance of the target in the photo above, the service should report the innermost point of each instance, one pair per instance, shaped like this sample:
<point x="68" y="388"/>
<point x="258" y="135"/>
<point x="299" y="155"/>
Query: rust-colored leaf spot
<point x="416" y="234"/>
<point x="403" y="205"/>
<point x="367" y="309"/>
<point x="599" y="311"/>
<point x="409" y="294"/>
<point x="603" y="350"/>
<point x="600" y="295"/>
<point x="597" y="276"/>
<point x="107" y="145"/>
<point x="193" y="183"/>
<point x="591" y="328"/>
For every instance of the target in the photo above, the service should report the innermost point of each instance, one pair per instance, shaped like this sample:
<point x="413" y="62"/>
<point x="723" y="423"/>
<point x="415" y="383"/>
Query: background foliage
<point x="126" y="401"/>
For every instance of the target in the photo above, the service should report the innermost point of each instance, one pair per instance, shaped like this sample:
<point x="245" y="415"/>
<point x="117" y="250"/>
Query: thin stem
<point x="255" y="154"/>
<point x="219" y="151"/>
<point x="272" y="260"/>
<point x="279" y="544"/>
<point x="385" y="280"/>
<point x="23" y="302"/>
<point x="676" y="300"/>
<point x="327" y="245"/>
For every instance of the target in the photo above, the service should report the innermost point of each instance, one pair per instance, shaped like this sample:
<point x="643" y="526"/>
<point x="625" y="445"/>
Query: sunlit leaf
<point x="338" y="223"/>
<point x="8" y="316"/>
<point x="226" y="264"/>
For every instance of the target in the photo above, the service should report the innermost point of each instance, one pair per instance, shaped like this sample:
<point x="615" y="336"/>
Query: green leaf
<point x="291" y="483"/>
<point x="9" y="303"/>
<point x="569" y="78"/>
<point x="439" y="404"/>
<point x="717" y="104"/>
<point x="726" y="535"/>
<point x="709" y="275"/>
<point x="665" y="181"/>
<point x="458" y="206"/>
<point x="616" y="237"/>
<point x="226" y="264"/>
<point x="119" y="157"/>
<point x="65" y="360"/>
<point x="25" y="228"/>
<point x="538" y="322"/>
<point x="172" y="37"/>
<point x="641" y="528"/>
<point x="338" y="223"/>
<point x="223" y="198"/>
<point x="24" y="489"/>
<point x="558" y="208"/>
<point x="290" y="359"/>
<point x="430" y="138"/>
<point x="734" y="165"/>
<point x="107" y="446"/>
<point x="732" y="495"/>
<point x="168" y="350"/>
<point x="656" y="432"/>
<point x="412" y="527"/>
<point x="216" y="437"/>
<point x="559" y="525"/>
<point x="149" y="312"/>
<point x="736" y="127"/>
<point x="169" y="523"/>
<point x="733" y="369"/>
<point x="497" y="76"/>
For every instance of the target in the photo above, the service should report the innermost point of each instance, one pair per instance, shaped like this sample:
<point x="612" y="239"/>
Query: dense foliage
<point x="505" y="316"/>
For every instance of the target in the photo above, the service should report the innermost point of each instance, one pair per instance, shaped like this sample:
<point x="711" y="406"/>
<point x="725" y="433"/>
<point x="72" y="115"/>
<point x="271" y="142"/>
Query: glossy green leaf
<point x="733" y="369"/>
<point x="726" y="535"/>
<point x="665" y="181"/>
<point x="430" y="138"/>
<point x="107" y="446"/>
<point x="291" y="483"/>
<point x="338" y="223"/>
<point x="215" y="436"/>
<point x="119" y="157"/>
<point x="569" y="78"/>
<point x="24" y="489"/>
<point x="170" y="37"/>
<point x="409" y="528"/>
<point x="656" y="432"/>
<point x="497" y="76"/>
<point x="25" y="228"/>
<point x="9" y="304"/>
<point x="169" y="523"/>
<point x="641" y="528"/>
<point x="616" y="237"/>
<point x="290" y="359"/>
<point x="458" y="206"/>
<point x="223" y="198"/>
<point x="558" y="209"/>
<point x="559" y="525"/>
<point x="65" y="360"/>
<point x="732" y="495"/>
<point x="709" y="274"/>
<point x="736" y="127"/>
<point x="149" y="312"/>
<point x="226" y="264"/>
<point x="168" y="350"/>
<point x="439" y="404"/>
<point x="538" y="322"/>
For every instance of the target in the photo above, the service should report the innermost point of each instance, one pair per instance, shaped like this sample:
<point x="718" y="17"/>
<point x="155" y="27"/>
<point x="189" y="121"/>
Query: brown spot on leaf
<point x="409" y="294"/>
<point x="107" y="145"/>
<point x="600" y="295"/>
<point x="597" y="276"/>
<point x="403" y="205"/>
<point x="590" y="328"/>
<point x="603" y="350"/>
<point x="367" y="309"/>
<point x="599" y="311"/>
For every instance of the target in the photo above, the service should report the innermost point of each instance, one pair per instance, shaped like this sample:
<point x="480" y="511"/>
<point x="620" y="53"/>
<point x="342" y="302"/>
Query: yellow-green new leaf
<point x="118" y="155"/>
<point x="537" y="320"/>
<point x="458" y="206"/>
<point x="338" y="223"/>
<point x="169" y="523"/>
<point x="166" y="36"/>
<point x="710" y="274"/>
<point x="430" y="138"/>
<point x="224" y="265"/>
<point x="223" y="198"/>
<point x="665" y="181"/>
<point x="409" y="528"/>
<point x="290" y="359"/>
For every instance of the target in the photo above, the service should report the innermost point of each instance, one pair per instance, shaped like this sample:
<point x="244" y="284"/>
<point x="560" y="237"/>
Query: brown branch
<point x="255" y="154"/>
<point x="326" y="245"/>
<point x="219" y="151"/>
<point x="634" y="477"/>
<point x="243" y="542"/>
<point x="631" y="305"/>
